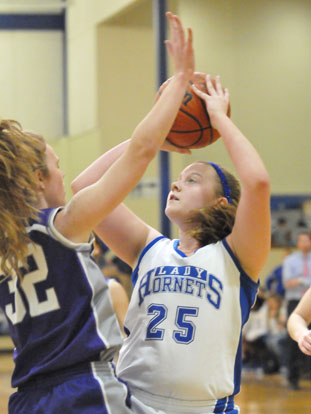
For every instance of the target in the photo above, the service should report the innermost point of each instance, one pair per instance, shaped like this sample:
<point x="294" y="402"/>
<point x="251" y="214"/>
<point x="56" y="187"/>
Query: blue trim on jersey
<point x="134" y="275"/>
<point x="175" y="245"/>
<point x="224" y="405"/>
<point x="238" y="368"/>
<point x="128" y="401"/>
<point x="246" y="278"/>
<point x="248" y="292"/>
<point x="126" y="331"/>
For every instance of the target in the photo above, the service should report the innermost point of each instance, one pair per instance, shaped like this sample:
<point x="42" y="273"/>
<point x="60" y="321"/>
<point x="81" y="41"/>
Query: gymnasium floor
<point x="260" y="394"/>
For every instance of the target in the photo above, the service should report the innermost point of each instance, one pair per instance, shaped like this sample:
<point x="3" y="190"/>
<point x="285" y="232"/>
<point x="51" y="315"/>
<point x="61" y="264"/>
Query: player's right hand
<point x="304" y="342"/>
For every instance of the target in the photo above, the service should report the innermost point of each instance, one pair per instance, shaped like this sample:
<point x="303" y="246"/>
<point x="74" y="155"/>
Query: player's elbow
<point x="262" y="184"/>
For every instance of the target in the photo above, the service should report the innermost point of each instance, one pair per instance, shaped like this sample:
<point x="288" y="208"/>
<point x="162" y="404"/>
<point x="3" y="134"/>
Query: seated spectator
<point x="281" y="235"/>
<point x="117" y="269"/>
<point x="256" y="353"/>
<point x="274" y="281"/>
<point x="276" y="337"/>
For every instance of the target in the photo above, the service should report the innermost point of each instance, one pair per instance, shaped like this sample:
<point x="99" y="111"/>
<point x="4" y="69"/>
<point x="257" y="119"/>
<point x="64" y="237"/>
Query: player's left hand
<point x="179" y="47"/>
<point x="216" y="100"/>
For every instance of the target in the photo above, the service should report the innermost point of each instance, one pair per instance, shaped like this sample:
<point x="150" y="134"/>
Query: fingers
<point x="190" y="36"/>
<point x="218" y="88"/>
<point x="189" y="46"/>
<point x="210" y="88"/>
<point x="305" y="349"/>
<point x="209" y="85"/>
<point x="169" y="47"/>
<point x="227" y="95"/>
<point x="198" y="92"/>
<point x="177" y="30"/>
<point x="305" y="343"/>
<point x="179" y="48"/>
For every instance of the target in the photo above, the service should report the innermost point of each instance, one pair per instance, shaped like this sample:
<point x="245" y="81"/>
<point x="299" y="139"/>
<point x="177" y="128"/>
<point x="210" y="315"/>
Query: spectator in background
<point x="99" y="252"/>
<point x="256" y="350"/>
<point x="117" y="269"/>
<point x="300" y="227"/>
<point x="274" y="281"/>
<point x="276" y="337"/>
<point x="296" y="280"/>
<point x="281" y="235"/>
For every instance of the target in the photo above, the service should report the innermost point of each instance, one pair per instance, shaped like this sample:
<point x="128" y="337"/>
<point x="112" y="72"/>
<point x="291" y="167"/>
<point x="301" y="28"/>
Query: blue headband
<point x="224" y="182"/>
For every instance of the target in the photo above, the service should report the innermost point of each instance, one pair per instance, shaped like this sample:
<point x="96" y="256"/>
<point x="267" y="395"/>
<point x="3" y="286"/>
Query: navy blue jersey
<point x="60" y="314"/>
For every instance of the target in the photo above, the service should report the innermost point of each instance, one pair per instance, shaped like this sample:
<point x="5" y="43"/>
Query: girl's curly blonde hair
<point x="21" y="153"/>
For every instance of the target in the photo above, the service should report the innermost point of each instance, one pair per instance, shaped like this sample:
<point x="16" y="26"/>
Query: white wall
<point x="31" y="78"/>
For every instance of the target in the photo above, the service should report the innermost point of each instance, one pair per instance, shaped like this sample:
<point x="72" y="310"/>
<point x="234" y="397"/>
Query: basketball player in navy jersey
<point x="193" y="295"/>
<point x="53" y="294"/>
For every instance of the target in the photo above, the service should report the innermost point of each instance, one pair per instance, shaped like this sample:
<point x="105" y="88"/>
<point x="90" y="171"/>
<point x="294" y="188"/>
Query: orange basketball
<point x="192" y="127"/>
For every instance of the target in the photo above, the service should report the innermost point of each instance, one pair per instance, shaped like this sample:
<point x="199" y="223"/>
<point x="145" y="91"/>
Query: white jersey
<point x="184" y="324"/>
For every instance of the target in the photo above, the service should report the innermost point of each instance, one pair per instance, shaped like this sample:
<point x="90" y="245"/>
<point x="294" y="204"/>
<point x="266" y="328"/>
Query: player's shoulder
<point x="45" y="216"/>
<point x="42" y="221"/>
<point x="159" y="241"/>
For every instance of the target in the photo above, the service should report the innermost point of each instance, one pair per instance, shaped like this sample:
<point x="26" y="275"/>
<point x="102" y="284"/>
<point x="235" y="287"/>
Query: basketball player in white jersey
<point x="193" y="295"/>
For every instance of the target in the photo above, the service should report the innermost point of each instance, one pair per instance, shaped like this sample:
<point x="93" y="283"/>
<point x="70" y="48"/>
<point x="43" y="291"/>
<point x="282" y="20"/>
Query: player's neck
<point x="187" y="244"/>
<point x="41" y="201"/>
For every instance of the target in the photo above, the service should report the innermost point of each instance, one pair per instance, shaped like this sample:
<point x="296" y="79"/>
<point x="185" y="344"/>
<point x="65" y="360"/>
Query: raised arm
<point x="124" y="166"/>
<point x="299" y="321"/>
<point x="250" y="237"/>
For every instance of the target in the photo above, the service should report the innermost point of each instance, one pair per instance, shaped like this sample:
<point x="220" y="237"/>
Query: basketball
<point x="192" y="127"/>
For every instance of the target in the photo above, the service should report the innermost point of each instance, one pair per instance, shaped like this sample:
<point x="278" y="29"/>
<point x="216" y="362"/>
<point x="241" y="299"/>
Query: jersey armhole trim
<point x="134" y="275"/>
<point x="245" y="277"/>
<point x="81" y="247"/>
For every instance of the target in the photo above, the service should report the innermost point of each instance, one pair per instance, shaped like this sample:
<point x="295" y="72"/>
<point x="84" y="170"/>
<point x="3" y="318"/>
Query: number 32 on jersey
<point x="37" y="272"/>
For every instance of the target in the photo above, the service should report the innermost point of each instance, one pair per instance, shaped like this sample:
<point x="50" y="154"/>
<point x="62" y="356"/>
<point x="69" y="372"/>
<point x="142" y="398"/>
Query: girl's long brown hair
<point x="21" y="153"/>
<point x="214" y="223"/>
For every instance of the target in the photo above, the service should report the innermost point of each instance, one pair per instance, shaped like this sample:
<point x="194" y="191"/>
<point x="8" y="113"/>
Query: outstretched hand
<point x="216" y="100"/>
<point x="179" y="48"/>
